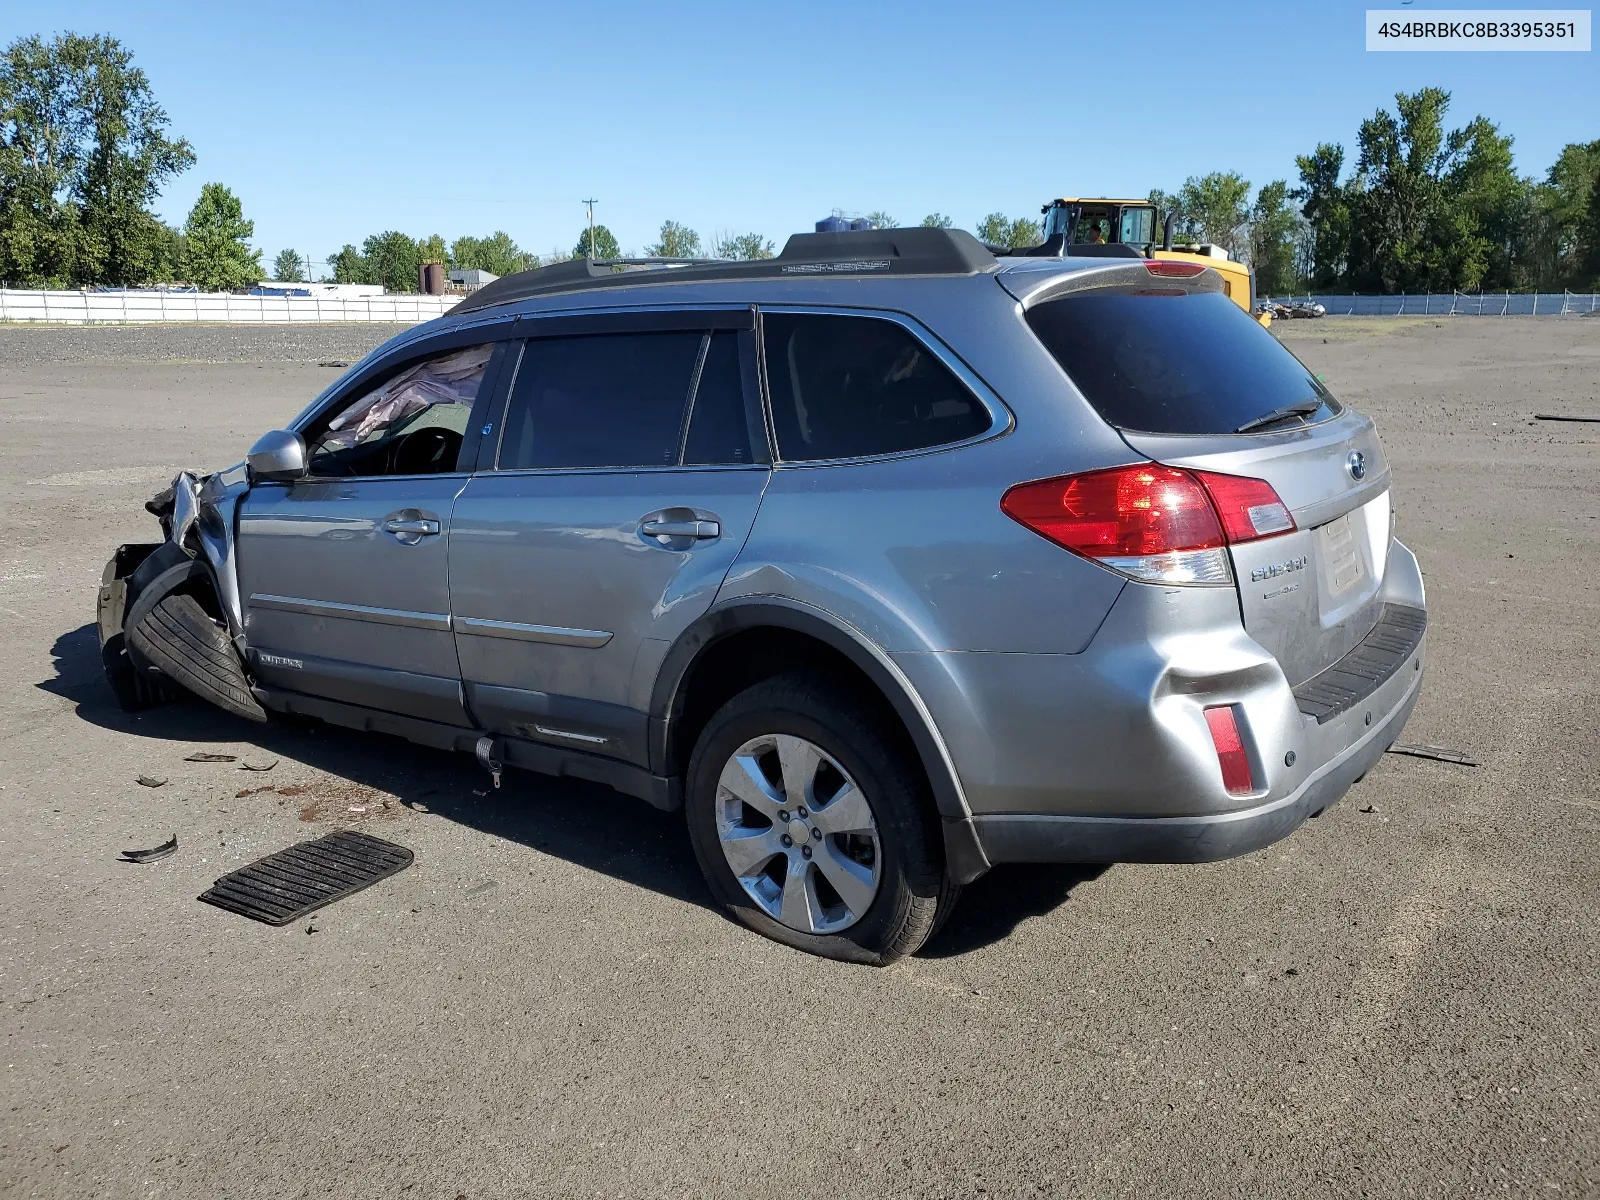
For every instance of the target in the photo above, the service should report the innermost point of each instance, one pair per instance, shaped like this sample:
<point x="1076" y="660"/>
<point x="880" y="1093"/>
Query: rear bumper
<point x="1105" y="755"/>
<point x="1031" y="837"/>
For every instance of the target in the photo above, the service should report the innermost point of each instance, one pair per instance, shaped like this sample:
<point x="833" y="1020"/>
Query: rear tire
<point x="855" y="752"/>
<point x="193" y="650"/>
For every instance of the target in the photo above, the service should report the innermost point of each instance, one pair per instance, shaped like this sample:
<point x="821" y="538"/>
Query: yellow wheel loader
<point x="1075" y="225"/>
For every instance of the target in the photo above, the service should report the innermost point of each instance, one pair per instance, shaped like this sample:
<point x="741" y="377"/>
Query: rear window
<point x="1177" y="362"/>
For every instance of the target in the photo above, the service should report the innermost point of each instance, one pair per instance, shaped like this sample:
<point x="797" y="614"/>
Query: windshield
<point x="1168" y="361"/>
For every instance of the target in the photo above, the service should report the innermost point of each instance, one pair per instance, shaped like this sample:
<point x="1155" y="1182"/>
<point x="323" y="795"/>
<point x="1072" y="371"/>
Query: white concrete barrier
<point x="131" y="308"/>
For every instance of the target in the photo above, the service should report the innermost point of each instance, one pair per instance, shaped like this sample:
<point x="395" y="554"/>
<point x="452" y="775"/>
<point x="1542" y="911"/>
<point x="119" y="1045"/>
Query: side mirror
<point x="277" y="457"/>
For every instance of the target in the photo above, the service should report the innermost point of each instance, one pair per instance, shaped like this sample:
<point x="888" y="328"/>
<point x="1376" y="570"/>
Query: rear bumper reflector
<point x="1231" y="754"/>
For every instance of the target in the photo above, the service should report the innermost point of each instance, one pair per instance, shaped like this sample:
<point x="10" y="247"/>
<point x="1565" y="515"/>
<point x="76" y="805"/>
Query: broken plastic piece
<point x="150" y="781"/>
<point x="205" y="757"/>
<point x="485" y="752"/>
<point x="244" y="766"/>
<point x="1435" y="752"/>
<point x="150" y="855"/>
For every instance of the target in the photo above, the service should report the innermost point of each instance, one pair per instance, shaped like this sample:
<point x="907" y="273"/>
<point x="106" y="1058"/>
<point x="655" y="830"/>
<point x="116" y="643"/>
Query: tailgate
<point x="1311" y="595"/>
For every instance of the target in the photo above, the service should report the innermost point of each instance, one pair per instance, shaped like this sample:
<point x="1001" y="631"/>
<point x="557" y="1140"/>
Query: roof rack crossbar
<point x="853" y="253"/>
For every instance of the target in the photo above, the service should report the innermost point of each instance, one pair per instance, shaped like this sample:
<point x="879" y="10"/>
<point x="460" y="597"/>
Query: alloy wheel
<point x="798" y="834"/>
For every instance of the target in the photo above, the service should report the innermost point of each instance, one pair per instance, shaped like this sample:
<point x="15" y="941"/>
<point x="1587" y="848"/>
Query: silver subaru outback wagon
<point x="886" y="560"/>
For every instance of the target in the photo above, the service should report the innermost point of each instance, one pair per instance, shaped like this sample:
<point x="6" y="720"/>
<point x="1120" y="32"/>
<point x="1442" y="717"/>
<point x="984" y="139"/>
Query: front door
<point x="342" y="574"/>
<point x="628" y="475"/>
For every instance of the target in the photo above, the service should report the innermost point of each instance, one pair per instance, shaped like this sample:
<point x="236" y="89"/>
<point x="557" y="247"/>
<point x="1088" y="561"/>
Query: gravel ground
<point x="1398" y="1000"/>
<point x="26" y="347"/>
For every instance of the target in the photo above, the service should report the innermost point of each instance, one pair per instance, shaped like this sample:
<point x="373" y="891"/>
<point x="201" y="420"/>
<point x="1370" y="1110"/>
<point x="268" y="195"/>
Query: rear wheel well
<point x="742" y="659"/>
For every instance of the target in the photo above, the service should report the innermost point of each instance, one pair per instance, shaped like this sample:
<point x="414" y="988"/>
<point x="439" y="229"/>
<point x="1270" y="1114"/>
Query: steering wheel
<point x="424" y="451"/>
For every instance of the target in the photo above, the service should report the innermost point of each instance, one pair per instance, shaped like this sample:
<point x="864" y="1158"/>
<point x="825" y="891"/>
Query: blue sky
<point x="335" y="120"/>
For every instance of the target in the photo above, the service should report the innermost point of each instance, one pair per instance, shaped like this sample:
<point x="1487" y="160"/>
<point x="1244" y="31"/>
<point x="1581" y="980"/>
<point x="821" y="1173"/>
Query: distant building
<point x="470" y="279"/>
<point x="326" y="291"/>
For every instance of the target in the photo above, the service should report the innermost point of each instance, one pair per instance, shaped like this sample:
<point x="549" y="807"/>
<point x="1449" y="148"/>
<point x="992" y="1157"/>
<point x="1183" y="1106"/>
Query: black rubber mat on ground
<point x="304" y="878"/>
<point x="1366" y="668"/>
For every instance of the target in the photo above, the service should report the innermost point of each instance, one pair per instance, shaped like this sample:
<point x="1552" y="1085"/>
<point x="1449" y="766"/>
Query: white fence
<point x="132" y="308"/>
<point x="1458" y="304"/>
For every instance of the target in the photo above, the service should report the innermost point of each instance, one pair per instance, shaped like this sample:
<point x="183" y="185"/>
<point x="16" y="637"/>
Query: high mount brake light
<point x="1173" y="270"/>
<point x="1150" y="522"/>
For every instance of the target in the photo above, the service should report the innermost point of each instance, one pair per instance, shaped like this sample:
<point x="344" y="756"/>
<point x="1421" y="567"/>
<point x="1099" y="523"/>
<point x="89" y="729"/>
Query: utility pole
<point x="591" y="204"/>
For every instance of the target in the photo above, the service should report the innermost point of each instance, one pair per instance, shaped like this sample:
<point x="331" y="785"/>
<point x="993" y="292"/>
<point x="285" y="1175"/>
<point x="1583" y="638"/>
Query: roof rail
<point x="853" y="253"/>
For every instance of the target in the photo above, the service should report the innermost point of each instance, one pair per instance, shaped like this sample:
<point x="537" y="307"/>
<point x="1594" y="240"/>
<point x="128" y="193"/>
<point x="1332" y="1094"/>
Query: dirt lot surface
<point x="1401" y="999"/>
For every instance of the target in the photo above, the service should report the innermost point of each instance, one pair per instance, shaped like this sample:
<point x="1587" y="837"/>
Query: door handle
<point x="700" y="530"/>
<point x="420" y="527"/>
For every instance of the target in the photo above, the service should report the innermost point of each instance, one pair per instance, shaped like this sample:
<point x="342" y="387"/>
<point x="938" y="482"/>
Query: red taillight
<point x="1231" y="754"/>
<point x="1249" y="508"/>
<point x="1147" y="509"/>
<point x="1150" y="522"/>
<point x="1173" y="270"/>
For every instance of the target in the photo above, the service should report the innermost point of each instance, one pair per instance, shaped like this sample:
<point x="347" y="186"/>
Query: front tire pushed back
<point x="848" y="747"/>
<point x="192" y="649"/>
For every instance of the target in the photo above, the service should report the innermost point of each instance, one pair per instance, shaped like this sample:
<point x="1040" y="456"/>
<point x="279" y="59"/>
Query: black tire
<point x="912" y="879"/>
<point x="192" y="649"/>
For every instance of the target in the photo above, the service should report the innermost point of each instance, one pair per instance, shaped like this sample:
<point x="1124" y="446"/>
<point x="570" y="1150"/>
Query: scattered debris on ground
<point x="1371" y="808"/>
<point x="1298" y="310"/>
<point x="1438" y="753"/>
<point x="150" y="781"/>
<point x="1561" y="417"/>
<point x="155" y="852"/>
<point x="248" y="766"/>
<point x="204" y="756"/>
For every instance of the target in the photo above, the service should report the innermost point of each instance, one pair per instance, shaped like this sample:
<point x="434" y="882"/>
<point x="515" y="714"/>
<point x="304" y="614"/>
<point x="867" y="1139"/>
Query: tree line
<point x="85" y="149"/>
<point x="1423" y="208"/>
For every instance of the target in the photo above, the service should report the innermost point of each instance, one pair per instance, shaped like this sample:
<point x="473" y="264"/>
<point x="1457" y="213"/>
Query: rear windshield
<point x="1176" y="362"/>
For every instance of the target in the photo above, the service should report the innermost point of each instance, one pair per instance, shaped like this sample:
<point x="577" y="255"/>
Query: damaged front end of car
<point x="170" y="616"/>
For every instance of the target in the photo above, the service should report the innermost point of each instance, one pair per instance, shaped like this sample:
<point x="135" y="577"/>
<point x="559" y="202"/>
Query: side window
<point x="602" y="400"/>
<point x="411" y="424"/>
<point x="719" y="429"/>
<point x="847" y="387"/>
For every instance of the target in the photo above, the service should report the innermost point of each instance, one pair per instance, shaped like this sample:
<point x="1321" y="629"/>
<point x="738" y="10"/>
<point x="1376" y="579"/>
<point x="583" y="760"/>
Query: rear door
<point x="1191" y="381"/>
<point x="631" y="461"/>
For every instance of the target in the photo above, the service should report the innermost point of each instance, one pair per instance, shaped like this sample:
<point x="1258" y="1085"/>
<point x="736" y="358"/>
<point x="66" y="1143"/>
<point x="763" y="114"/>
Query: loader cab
<point x="1103" y="222"/>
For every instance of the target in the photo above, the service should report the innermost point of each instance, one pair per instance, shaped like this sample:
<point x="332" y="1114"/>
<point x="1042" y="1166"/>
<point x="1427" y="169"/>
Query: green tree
<point x="286" y="267"/>
<point x="1587" y="252"/>
<point x="1432" y="210"/>
<point x="1273" y="225"/>
<point x="348" y="265"/>
<point x="217" y="256"/>
<point x="605" y="245"/>
<point x="1325" y="204"/>
<point x="677" y="241"/>
<point x="1549" y="252"/>
<point x="393" y="260"/>
<point x="997" y="229"/>
<point x="882" y="220"/>
<point x="741" y="246"/>
<point x="936" y="220"/>
<point x="498" y="254"/>
<point x="1216" y="206"/>
<point x="432" y="249"/>
<point x="83" y="153"/>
